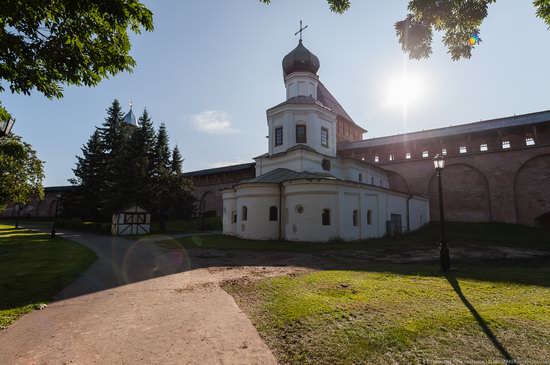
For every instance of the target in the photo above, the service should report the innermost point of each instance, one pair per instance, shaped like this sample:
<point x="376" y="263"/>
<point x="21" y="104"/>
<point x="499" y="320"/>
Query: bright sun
<point x="405" y="90"/>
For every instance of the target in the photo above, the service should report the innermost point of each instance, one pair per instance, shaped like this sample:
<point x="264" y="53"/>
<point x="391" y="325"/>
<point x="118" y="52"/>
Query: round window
<point x="299" y="209"/>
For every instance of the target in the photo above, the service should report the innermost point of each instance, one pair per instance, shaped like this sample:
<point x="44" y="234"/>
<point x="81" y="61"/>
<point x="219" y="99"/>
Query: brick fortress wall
<point x="508" y="182"/>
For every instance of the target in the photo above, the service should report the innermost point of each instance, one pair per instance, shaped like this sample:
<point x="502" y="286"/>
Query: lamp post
<point x="58" y="196"/>
<point x="439" y="165"/>
<point x="17" y="207"/>
<point x="6" y="126"/>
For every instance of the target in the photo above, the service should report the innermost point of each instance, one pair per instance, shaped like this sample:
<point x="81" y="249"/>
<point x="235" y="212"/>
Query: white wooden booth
<point x="131" y="221"/>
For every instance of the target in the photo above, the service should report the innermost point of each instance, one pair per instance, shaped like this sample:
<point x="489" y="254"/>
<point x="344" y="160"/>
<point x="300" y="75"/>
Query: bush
<point x="78" y="225"/>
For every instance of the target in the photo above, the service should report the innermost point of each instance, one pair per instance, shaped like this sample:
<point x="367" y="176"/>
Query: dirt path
<point x="134" y="307"/>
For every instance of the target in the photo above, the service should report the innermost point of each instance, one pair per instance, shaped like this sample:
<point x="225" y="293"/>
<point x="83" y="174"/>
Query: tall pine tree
<point x="85" y="200"/>
<point x="123" y="165"/>
<point x="117" y="170"/>
<point x="142" y="147"/>
<point x="161" y="175"/>
<point x="177" y="161"/>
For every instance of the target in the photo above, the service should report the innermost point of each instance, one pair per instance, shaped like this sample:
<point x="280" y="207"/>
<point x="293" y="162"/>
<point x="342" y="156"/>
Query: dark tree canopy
<point x="21" y="172"/>
<point x="45" y="44"/>
<point x="457" y="20"/>
<point x="123" y="165"/>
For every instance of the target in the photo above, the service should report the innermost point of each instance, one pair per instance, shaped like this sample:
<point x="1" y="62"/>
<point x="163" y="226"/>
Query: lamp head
<point x="439" y="162"/>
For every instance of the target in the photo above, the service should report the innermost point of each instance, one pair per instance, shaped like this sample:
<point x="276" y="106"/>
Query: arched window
<point x="369" y="217"/>
<point x="273" y="214"/>
<point x="355" y="218"/>
<point x="244" y="213"/>
<point x="325" y="217"/>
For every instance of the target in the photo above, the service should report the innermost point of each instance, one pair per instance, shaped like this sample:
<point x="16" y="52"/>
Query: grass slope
<point x="402" y="314"/>
<point x="33" y="268"/>
<point x="487" y="311"/>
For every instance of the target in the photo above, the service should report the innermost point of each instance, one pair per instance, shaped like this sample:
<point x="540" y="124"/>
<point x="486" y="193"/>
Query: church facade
<point x="304" y="191"/>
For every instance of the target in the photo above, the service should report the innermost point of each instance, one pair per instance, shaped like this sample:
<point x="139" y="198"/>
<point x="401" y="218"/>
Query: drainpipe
<point x="409" y="213"/>
<point x="280" y="210"/>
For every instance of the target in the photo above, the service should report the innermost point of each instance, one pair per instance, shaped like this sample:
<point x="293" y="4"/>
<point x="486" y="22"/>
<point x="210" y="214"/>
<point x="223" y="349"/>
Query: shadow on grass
<point x="122" y="261"/>
<point x="486" y="329"/>
<point x="33" y="268"/>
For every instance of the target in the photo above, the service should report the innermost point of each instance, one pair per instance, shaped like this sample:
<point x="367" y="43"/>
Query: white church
<point x="302" y="190"/>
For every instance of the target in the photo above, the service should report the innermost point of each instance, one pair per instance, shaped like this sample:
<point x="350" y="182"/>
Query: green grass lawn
<point x="33" y="268"/>
<point x="482" y="234"/>
<point x="371" y="312"/>
<point x="404" y="314"/>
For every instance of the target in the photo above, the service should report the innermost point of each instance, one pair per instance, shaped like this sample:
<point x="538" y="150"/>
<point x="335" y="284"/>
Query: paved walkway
<point x="135" y="306"/>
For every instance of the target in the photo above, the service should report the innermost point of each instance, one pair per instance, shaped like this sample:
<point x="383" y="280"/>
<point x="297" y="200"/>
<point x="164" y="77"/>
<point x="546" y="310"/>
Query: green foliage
<point x="75" y="42"/>
<point x="458" y="20"/>
<point x="34" y="268"/>
<point x="21" y="172"/>
<point x="44" y="44"/>
<point x="123" y="165"/>
<point x="88" y="178"/>
<point x="171" y="190"/>
<point x="177" y="161"/>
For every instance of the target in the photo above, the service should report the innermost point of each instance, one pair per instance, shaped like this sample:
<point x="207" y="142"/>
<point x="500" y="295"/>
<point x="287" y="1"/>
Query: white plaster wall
<point x="229" y="206"/>
<point x="307" y="226"/>
<point x="371" y="201"/>
<point x="350" y="200"/>
<point x="258" y="199"/>
<point x="341" y="198"/>
<point x="397" y="204"/>
<point x="419" y="212"/>
<point x="301" y="83"/>
<point x="313" y="116"/>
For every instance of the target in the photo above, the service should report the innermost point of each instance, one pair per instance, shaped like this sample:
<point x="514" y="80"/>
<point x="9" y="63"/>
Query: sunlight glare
<point x="405" y="90"/>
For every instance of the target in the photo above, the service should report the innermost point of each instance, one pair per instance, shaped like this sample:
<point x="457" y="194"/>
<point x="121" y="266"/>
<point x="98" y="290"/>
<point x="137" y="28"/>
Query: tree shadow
<point x="484" y="326"/>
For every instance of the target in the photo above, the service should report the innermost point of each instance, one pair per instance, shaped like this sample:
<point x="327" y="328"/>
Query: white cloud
<point x="212" y="122"/>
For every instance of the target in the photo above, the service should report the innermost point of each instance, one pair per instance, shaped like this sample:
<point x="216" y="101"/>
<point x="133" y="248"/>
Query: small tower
<point x="130" y="118"/>
<point x="300" y="72"/>
<point x="302" y="119"/>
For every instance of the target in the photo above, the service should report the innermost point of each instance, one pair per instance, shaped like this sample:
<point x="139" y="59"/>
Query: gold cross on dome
<point x="301" y="30"/>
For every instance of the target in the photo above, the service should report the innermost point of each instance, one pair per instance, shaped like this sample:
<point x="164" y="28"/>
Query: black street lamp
<point x="439" y="165"/>
<point x="5" y="127"/>
<point x="17" y="207"/>
<point x="58" y="196"/>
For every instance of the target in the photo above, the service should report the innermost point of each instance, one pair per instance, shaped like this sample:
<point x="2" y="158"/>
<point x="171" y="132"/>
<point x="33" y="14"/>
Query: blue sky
<point x="212" y="67"/>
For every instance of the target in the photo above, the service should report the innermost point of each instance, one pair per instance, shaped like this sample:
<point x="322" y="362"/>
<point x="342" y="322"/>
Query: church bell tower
<point x="302" y="119"/>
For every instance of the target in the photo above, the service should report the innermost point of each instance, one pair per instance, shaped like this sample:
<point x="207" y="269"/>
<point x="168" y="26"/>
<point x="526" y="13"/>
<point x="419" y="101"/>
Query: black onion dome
<point x="300" y="59"/>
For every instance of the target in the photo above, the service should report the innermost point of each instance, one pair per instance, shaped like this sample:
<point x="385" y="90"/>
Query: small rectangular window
<point x="425" y="154"/>
<point x="392" y="157"/>
<point x="505" y="144"/>
<point x="278" y="136"/>
<point x="324" y="137"/>
<point x="529" y="141"/>
<point x="273" y="214"/>
<point x="408" y="155"/>
<point x="326" y="217"/>
<point x="244" y="213"/>
<point x="463" y="149"/>
<point x="301" y="135"/>
<point x="234" y="217"/>
<point x="444" y="151"/>
<point x="376" y="159"/>
<point x="483" y="147"/>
